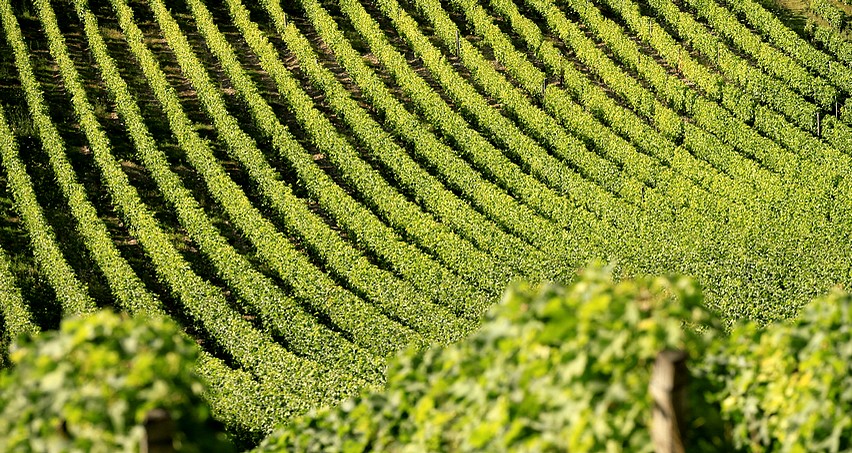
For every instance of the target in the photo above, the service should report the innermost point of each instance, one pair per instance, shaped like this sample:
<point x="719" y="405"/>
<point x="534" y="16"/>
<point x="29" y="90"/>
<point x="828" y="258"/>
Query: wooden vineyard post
<point x="159" y="431"/>
<point x="668" y="391"/>
<point x="819" y="132"/>
<point x="458" y="44"/>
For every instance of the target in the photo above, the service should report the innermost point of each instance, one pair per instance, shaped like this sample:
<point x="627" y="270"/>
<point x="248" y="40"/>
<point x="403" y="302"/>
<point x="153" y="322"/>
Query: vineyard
<point x="309" y="186"/>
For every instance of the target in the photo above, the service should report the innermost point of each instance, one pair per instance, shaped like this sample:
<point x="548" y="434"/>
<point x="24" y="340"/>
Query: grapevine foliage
<point x="553" y="368"/>
<point x="305" y="212"/>
<point x="90" y="385"/>
<point x="567" y="369"/>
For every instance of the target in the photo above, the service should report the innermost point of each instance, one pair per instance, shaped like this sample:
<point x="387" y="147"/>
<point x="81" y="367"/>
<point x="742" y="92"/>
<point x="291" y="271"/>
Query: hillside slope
<point x="308" y="187"/>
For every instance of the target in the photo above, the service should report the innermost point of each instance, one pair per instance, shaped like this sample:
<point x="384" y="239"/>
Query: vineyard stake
<point x="159" y="432"/>
<point x="819" y="132"/>
<point x="669" y="378"/>
<point x="458" y="44"/>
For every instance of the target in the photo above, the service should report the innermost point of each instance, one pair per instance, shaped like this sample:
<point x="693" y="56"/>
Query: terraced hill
<point x="310" y="186"/>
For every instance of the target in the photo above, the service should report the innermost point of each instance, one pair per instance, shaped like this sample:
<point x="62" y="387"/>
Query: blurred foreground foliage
<point x="89" y="386"/>
<point x="553" y="368"/>
<point x="567" y="369"/>
<point x="788" y="387"/>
